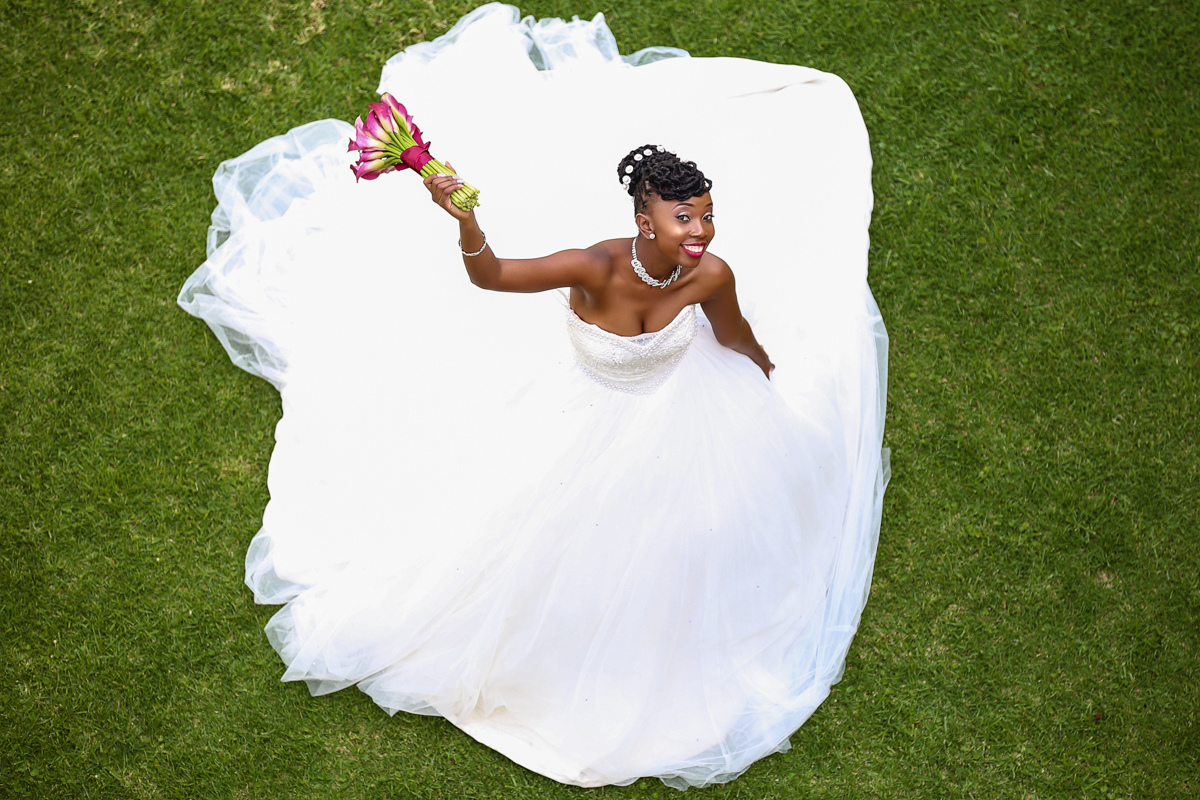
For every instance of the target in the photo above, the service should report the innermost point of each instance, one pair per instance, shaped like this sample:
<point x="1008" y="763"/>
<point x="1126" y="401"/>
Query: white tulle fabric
<point x="467" y="518"/>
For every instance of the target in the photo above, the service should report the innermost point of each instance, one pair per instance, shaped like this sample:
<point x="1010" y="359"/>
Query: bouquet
<point x="389" y="140"/>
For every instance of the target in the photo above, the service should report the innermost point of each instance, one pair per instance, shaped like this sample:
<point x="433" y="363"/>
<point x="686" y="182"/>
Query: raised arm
<point x="583" y="268"/>
<point x="728" y="324"/>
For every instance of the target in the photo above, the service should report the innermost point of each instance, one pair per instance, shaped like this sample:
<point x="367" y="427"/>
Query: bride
<point x="675" y="224"/>
<point x="635" y="550"/>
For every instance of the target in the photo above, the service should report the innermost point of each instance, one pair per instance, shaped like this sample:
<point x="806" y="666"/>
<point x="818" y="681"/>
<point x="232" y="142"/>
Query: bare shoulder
<point x="716" y="265"/>
<point x="603" y="257"/>
<point x="591" y="267"/>
<point x="609" y="251"/>
<point x="713" y="274"/>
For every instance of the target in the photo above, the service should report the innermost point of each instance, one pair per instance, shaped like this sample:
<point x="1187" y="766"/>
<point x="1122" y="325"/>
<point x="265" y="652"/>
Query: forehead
<point x="698" y="202"/>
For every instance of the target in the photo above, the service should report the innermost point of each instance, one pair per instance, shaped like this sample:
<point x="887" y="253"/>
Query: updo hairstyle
<point x="651" y="169"/>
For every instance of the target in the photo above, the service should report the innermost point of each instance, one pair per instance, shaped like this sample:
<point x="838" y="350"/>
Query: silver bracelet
<point x="477" y="252"/>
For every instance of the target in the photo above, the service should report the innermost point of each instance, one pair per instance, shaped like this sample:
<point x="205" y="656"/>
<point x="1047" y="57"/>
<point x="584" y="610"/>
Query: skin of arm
<point x="583" y="268"/>
<point x="729" y="326"/>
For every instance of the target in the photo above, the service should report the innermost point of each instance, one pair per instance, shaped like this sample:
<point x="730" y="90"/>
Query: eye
<point x="708" y="217"/>
<point x="683" y="217"/>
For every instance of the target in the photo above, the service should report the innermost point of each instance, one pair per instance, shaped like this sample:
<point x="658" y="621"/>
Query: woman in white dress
<point x="611" y="285"/>
<point x="632" y="551"/>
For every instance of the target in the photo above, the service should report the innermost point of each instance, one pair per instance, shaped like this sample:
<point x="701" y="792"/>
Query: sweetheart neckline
<point x="635" y="336"/>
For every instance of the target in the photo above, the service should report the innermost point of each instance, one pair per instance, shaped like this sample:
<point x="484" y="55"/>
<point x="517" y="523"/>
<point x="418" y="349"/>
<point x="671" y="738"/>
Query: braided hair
<point x="650" y="169"/>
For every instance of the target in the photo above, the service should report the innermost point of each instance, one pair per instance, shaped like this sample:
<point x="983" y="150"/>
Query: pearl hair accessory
<point x="641" y="271"/>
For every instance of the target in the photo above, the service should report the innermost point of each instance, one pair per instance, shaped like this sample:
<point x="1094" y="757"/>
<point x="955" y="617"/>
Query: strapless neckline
<point x="635" y="364"/>
<point x="637" y="336"/>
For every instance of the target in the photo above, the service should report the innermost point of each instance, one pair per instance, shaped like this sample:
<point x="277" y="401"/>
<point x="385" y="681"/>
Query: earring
<point x="651" y="236"/>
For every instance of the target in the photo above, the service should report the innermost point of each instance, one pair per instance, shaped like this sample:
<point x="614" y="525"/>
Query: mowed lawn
<point x="1032" y="630"/>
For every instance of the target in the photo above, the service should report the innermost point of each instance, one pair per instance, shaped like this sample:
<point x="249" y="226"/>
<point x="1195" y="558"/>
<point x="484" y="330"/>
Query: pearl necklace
<point x="641" y="271"/>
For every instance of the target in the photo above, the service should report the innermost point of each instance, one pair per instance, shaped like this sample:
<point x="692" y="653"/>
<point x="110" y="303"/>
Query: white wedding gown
<point x="606" y="557"/>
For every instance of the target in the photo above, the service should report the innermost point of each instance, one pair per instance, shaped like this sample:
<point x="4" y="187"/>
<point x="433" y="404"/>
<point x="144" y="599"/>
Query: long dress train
<point x="606" y="557"/>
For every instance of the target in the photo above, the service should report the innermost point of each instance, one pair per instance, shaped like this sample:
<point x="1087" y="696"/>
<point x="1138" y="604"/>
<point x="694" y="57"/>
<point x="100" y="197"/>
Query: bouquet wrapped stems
<point x="389" y="140"/>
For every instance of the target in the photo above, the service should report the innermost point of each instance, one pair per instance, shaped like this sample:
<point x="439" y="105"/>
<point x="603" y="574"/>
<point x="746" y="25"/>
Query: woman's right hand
<point x="441" y="187"/>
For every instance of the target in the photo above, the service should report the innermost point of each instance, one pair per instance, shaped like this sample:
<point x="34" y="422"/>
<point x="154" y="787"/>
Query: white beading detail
<point x="633" y="364"/>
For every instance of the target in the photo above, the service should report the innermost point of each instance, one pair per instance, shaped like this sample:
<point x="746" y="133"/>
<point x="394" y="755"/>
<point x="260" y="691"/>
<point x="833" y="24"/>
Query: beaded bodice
<point x="634" y="364"/>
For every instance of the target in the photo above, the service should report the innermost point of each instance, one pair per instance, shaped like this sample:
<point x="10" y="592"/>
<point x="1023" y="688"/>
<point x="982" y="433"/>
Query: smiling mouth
<point x="694" y="250"/>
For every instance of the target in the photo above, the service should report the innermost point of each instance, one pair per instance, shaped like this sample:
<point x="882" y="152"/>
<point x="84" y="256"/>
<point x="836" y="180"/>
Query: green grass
<point x="1033" y="627"/>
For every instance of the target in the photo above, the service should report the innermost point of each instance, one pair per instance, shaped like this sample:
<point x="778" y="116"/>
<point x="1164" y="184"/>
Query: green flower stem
<point x="466" y="197"/>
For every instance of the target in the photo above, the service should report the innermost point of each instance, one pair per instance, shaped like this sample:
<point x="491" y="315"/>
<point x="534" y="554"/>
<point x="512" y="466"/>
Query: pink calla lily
<point x="370" y="170"/>
<point x="374" y="155"/>
<point x="385" y="119"/>
<point x="400" y="112"/>
<point x="374" y="128"/>
<point x="416" y="133"/>
<point x="363" y="138"/>
<point x="396" y="106"/>
<point x="388" y="140"/>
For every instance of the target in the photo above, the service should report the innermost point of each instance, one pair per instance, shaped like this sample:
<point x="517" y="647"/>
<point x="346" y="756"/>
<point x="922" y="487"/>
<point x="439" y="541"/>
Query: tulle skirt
<point x="600" y="585"/>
